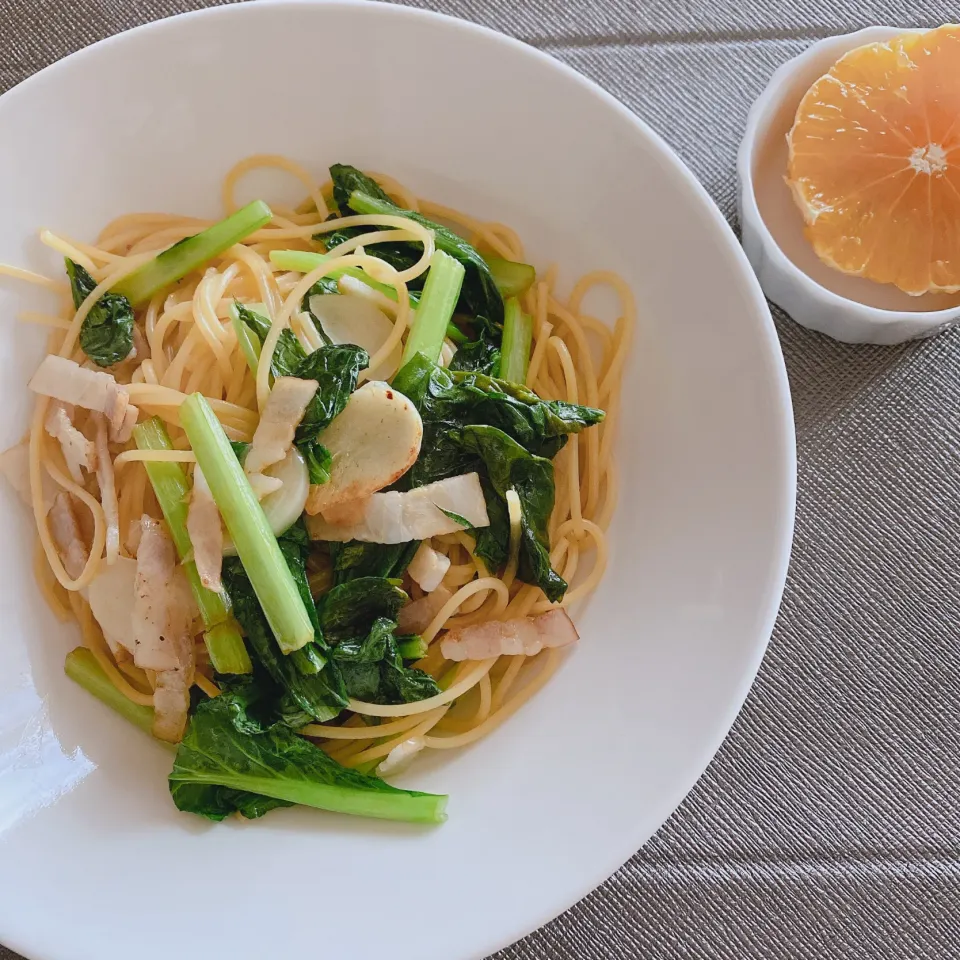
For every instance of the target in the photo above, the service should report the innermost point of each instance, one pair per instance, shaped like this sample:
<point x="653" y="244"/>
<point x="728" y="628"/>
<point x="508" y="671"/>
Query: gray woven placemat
<point x="829" y="824"/>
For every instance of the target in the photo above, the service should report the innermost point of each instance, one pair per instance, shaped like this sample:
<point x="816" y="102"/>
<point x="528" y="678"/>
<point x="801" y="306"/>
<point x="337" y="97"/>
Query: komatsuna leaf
<point x="373" y="668"/>
<point x="301" y="697"/>
<point x="509" y="466"/>
<point x="252" y="711"/>
<point x="479" y="296"/>
<point x="449" y="400"/>
<point x="288" y="352"/>
<point x="319" y="460"/>
<point x="477" y="356"/>
<point x="106" y="334"/>
<point x="223" y="747"/>
<point x="346" y="179"/>
<point x="336" y="370"/>
<point x="356" y="558"/>
<point x="217" y="803"/>
<point x="349" y="610"/>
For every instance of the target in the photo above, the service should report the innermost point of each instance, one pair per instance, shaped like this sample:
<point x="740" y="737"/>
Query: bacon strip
<point x="206" y="533"/>
<point x="525" y="636"/>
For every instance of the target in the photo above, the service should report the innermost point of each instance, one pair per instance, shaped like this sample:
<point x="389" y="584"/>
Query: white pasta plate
<point x="95" y="862"/>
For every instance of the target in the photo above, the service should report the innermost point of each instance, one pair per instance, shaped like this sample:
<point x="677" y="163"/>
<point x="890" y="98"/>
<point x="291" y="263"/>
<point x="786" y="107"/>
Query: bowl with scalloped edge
<point x="558" y="797"/>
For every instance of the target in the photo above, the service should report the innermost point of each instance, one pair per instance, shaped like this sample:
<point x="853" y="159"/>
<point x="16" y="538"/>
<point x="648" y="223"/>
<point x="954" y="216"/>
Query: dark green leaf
<point x="353" y="191"/>
<point x="355" y="559"/>
<point x="288" y="355"/>
<point x="106" y="334"/>
<point x="478" y="356"/>
<point x="350" y="609"/>
<point x="300" y="696"/>
<point x="373" y="668"/>
<point x="324" y="286"/>
<point x="400" y="684"/>
<point x="346" y="179"/>
<point x="258" y="324"/>
<point x="297" y="534"/>
<point x="225" y="747"/>
<point x="508" y="465"/>
<point x="369" y="649"/>
<point x="362" y="680"/>
<point x="456" y="518"/>
<point x="336" y="369"/>
<point x="240" y="449"/>
<point x="449" y="400"/>
<point x="216" y="803"/>
<point x="319" y="460"/>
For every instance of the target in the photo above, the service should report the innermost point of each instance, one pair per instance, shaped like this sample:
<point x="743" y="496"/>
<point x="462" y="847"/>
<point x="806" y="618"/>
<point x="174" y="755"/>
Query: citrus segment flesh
<point x="875" y="162"/>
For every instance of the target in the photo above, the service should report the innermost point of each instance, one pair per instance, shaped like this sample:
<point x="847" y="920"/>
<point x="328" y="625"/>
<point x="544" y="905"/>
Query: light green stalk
<point x="248" y="526"/>
<point x="177" y="261"/>
<point x="437" y="303"/>
<point x="517" y="337"/>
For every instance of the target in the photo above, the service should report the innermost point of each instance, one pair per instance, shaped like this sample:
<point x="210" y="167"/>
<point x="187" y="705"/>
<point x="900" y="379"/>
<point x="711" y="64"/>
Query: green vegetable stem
<point x="512" y="278"/>
<point x="437" y="304"/>
<point x="517" y="337"/>
<point x="82" y="668"/>
<point x="248" y="527"/>
<point x="246" y="337"/>
<point x="192" y="252"/>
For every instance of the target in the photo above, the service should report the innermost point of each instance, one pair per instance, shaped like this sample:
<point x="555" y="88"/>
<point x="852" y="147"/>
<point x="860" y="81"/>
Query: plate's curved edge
<point x="729" y="245"/>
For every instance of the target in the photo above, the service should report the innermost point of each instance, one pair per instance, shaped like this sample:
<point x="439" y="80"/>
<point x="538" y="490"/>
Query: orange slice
<point x="875" y="162"/>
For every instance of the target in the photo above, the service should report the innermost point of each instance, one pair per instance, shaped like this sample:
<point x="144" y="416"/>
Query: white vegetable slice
<point x="110" y="596"/>
<point x="428" y="567"/>
<point x="283" y="507"/>
<point x="417" y="514"/>
<point x="373" y="442"/>
<point x="354" y="319"/>
<point x="525" y="636"/>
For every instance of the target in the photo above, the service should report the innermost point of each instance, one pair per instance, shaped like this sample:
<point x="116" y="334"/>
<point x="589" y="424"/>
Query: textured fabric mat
<point x="828" y="826"/>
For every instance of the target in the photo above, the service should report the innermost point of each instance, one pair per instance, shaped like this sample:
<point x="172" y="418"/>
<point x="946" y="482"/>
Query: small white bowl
<point x="792" y="275"/>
